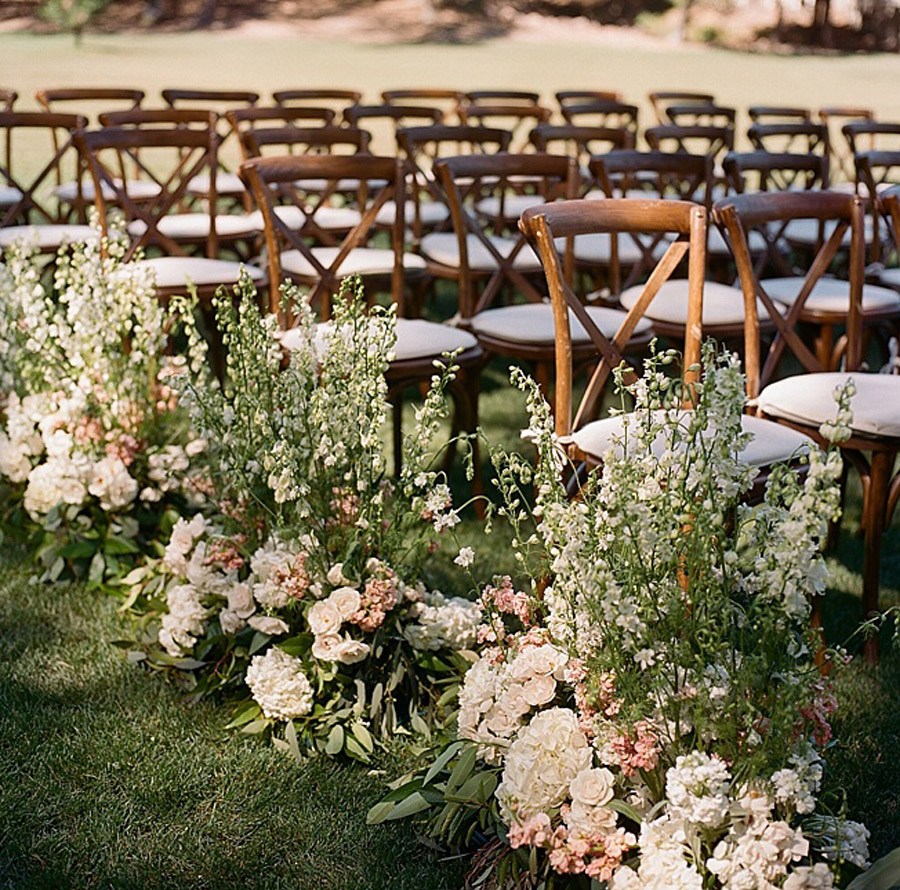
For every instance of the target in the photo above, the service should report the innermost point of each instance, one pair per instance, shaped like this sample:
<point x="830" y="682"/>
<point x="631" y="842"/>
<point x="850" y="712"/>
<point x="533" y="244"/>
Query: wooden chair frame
<point x="778" y="114"/>
<point x="660" y="99"/>
<point x="832" y="115"/>
<point x="789" y="137"/>
<point x="603" y="113"/>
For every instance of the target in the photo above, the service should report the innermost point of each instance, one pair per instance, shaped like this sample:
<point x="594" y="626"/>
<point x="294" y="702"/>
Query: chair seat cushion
<point x="890" y="278"/>
<point x="533" y="323"/>
<point x="416" y="339"/>
<point x="805" y="232"/>
<point x="722" y="304"/>
<point x="596" y="249"/>
<point x="513" y="205"/>
<point x="177" y="271"/>
<point x="342" y="185"/>
<point x="443" y="248"/>
<point x="716" y="244"/>
<point x="361" y="261"/>
<point x="430" y="213"/>
<point x="336" y="219"/>
<point x="809" y="399"/>
<point x="227" y="184"/>
<point x="136" y="189"/>
<point x="830" y="294"/>
<point x="9" y="195"/>
<point x="195" y="226"/>
<point x="771" y="443"/>
<point x="48" y="237"/>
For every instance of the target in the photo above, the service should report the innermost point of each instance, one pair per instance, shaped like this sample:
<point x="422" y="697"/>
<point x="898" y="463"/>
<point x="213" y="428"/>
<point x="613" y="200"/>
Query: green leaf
<point x="626" y="810"/>
<point x="377" y="695"/>
<point x="78" y="550"/>
<point x="117" y="545"/>
<point x="415" y="803"/>
<point x="259" y="640"/>
<point x="297" y="646"/>
<point x="354" y="750"/>
<point x="248" y="711"/>
<point x="256" y="727"/>
<point x="442" y="760"/>
<point x="189" y="664"/>
<point x="883" y="875"/>
<point x="335" y="742"/>
<point x="462" y="770"/>
<point x="96" y="568"/>
<point x="419" y="725"/>
<point x="290" y="734"/>
<point x="364" y="737"/>
<point x="379" y="813"/>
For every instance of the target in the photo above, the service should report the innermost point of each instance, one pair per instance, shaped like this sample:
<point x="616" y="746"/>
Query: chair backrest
<point x="711" y="141"/>
<point x="581" y="143"/>
<point x="877" y="171"/>
<point x="501" y="96"/>
<point x="695" y="114"/>
<point x="767" y="171"/>
<point x="778" y="114"/>
<point x="546" y="226"/>
<point x="336" y="99"/>
<point x="889" y="207"/>
<point x="7" y="99"/>
<point x="871" y="136"/>
<point x="27" y="188"/>
<point x="603" y="113"/>
<point x="517" y="118"/>
<point x="176" y="146"/>
<point x="448" y="100"/>
<point x="740" y="214"/>
<point x="304" y="141"/>
<point x="789" y="137"/>
<point x="387" y="119"/>
<point x="468" y="179"/>
<point x="213" y="100"/>
<point x="565" y="98"/>
<point x="834" y="117"/>
<point x="661" y="99"/>
<point x="273" y="183"/>
<point x="89" y="101"/>
<point x="244" y="120"/>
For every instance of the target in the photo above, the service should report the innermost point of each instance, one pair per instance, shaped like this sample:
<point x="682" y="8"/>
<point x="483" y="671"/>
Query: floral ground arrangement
<point x="558" y="723"/>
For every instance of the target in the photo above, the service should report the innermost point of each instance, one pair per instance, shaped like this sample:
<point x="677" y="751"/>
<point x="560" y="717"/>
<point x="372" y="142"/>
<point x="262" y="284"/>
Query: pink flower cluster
<point x="820" y="711"/>
<point x="344" y="507"/>
<point x="507" y="600"/>
<point x="637" y="751"/>
<point x="597" y="855"/>
<point x="124" y="447"/>
<point x="378" y="597"/>
<point x="224" y="552"/>
<point x="294" y="580"/>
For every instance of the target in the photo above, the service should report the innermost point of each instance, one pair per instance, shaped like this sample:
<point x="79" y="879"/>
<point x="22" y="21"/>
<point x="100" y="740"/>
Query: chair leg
<point x="874" y="514"/>
<point x="395" y="398"/>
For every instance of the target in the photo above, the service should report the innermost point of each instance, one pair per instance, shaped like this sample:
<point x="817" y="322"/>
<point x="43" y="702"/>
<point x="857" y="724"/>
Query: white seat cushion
<point x="806" y="231"/>
<point x="196" y="226"/>
<point x="513" y="205"/>
<point x="9" y="195"/>
<point x="533" y="323"/>
<point x="596" y="248"/>
<point x="771" y="443"/>
<point x="227" y="184"/>
<point x="722" y="304"/>
<point x="443" y="248"/>
<point x="718" y="246"/>
<point x="890" y="278"/>
<point x="343" y="185"/>
<point x="177" y="271"/>
<point x="830" y="294"/>
<point x="338" y="219"/>
<point x="416" y="339"/>
<point x="430" y="213"/>
<point x="137" y="189"/>
<point x="361" y="261"/>
<point x="809" y="399"/>
<point x="47" y="237"/>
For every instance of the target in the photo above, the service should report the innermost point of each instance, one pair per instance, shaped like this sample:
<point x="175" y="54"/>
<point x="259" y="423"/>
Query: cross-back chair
<point x="299" y="255"/>
<point x="610" y="113"/>
<point x="335" y="99"/>
<point x="789" y="137"/>
<point x="447" y="99"/>
<point x="694" y="114"/>
<point x="388" y="118"/>
<point x="661" y="99"/>
<point x="581" y="143"/>
<point x="518" y="118"/>
<point x="30" y="206"/>
<point x="806" y="400"/>
<point x="565" y="98"/>
<point x="682" y="226"/>
<point x="714" y="142"/>
<point x="778" y="114"/>
<point x="877" y="171"/>
<point x="835" y="117"/>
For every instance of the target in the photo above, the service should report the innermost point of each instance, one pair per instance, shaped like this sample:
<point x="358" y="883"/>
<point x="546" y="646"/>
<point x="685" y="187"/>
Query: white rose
<point x="335" y="575"/>
<point x="325" y="647"/>
<point x="266" y="624"/>
<point x="324" y="618"/>
<point x="351" y="651"/>
<point x="593" y="787"/>
<point x="112" y="484"/>
<point x="230" y="621"/>
<point x="14" y="460"/>
<point x="539" y="690"/>
<point x="346" y="600"/>
<point x="240" y="600"/>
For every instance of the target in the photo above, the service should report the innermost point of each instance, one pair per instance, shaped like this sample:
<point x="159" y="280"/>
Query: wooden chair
<point x="868" y="135"/>
<point x="517" y="117"/>
<point x="778" y="114"/>
<point x="877" y="171"/>
<point x="383" y="121"/>
<point x="805" y="401"/>
<point x="693" y="114"/>
<point x="661" y="99"/>
<point x="294" y="254"/>
<point x="448" y="100"/>
<point x="503" y="96"/>
<point x="255" y="118"/>
<point x="834" y="117"/>
<point x="791" y="137"/>
<point x="501" y="294"/>
<point x="30" y="207"/>
<point x="335" y="99"/>
<point x="609" y="113"/>
<point x="583" y="433"/>
<point x="564" y="98"/>
<point x="580" y="143"/>
<point x="714" y="142"/>
<point x="229" y="187"/>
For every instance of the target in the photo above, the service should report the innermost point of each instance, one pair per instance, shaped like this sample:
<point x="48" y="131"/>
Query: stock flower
<point x="279" y="685"/>
<point x="112" y="484"/>
<point x="440" y="622"/>
<point x="184" y="621"/>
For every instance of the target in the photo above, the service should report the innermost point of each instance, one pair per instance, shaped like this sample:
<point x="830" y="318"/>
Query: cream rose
<point x="593" y="787"/>
<point x="326" y="646"/>
<point x="324" y="618"/>
<point x="352" y="651"/>
<point x="266" y="624"/>
<point x="346" y="600"/>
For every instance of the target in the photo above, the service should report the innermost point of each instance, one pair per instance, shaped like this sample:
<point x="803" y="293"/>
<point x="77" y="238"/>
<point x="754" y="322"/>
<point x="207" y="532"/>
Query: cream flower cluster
<point x="497" y="695"/>
<point x="325" y="619"/>
<point x="440" y="622"/>
<point x="279" y="685"/>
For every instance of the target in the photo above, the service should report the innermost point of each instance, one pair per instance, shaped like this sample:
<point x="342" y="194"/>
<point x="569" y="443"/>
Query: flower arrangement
<point x="301" y="593"/>
<point x="647" y="711"/>
<point x="95" y="450"/>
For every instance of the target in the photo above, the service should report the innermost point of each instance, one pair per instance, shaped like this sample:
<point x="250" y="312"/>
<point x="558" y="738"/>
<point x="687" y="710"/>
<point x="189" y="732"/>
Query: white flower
<point x="541" y="764"/>
<point x="324" y="617"/>
<point x="697" y="789"/>
<point x="325" y="647"/>
<point x="466" y="557"/>
<point x="271" y="566"/>
<point x="442" y="623"/>
<point x="181" y="541"/>
<point x="335" y="576"/>
<point x="346" y="600"/>
<point x="756" y="854"/>
<point x="594" y="787"/>
<point x="54" y="482"/>
<point x="185" y="620"/>
<point x="804" y="877"/>
<point x="112" y="484"/>
<point x="266" y="624"/>
<point x="279" y="685"/>
<point x="15" y="462"/>
<point x="352" y="651"/>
